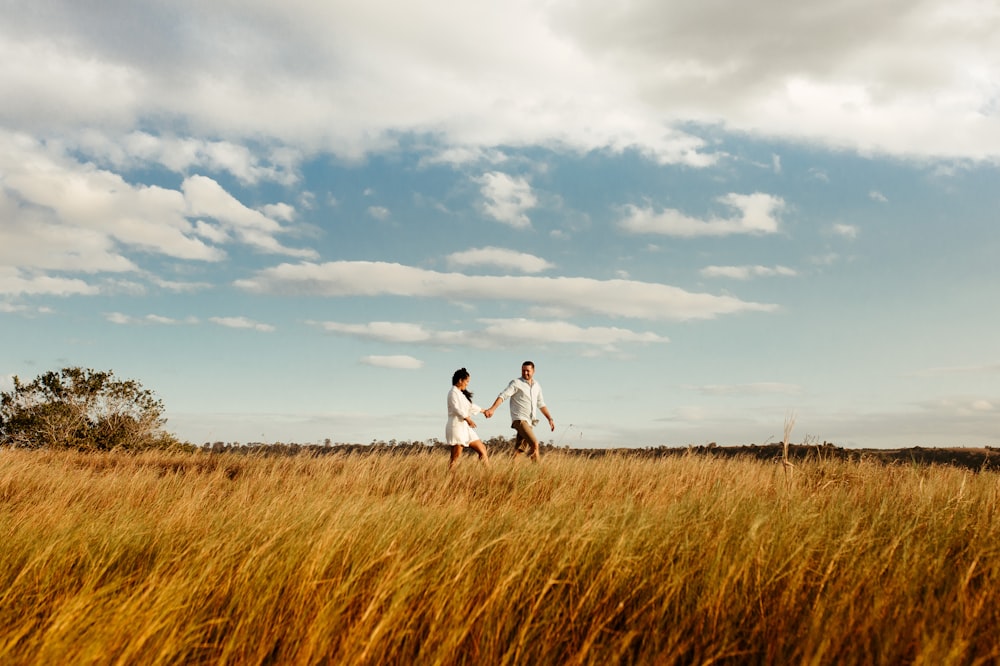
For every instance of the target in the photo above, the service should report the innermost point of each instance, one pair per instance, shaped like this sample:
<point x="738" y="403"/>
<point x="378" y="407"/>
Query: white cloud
<point x="160" y="319"/>
<point x="848" y="231"/>
<point x="495" y="333"/>
<point x="875" y="195"/>
<point x="828" y="259"/>
<point x="755" y="388"/>
<point x="211" y="233"/>
<point x="895" y="77"/>
<point x="522" y="331"/>
<point x="384" y="331"/>
<point x="279" y="211"/>
<point x="747" y="272"/>
<point x="379" y="212"/>
<point x="819" y="174"/>
<point x="507" y="198"/>
<point x="206" y="198"/>
<point x="461" y="155"/>
<point x="183" y="154"/>
<point x="980" y="369"/>
<point x="180" y="287"/>
<point x="501" y="258"/>
<point x="241" y="322"/>
<point x="617" y="298"/>
<point x="43" y="188"/>
<point x="103" y="91"/>
<point x="15" y="283"/>
<point x="61" y="214"/>
<point x="124" y="319"/>
<point x="757" y="214"/>
<point x="396" y="362"/>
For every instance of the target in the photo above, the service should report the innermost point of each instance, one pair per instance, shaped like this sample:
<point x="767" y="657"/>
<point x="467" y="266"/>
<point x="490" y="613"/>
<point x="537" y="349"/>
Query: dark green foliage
<point x="82" y="409"/>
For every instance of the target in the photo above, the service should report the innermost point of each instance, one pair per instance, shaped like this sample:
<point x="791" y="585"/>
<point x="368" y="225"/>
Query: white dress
<point x="457" y="431"/>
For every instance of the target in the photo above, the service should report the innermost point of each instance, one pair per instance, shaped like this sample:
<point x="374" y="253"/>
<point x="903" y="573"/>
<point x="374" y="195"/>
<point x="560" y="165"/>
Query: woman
<point x="460" y="431"/>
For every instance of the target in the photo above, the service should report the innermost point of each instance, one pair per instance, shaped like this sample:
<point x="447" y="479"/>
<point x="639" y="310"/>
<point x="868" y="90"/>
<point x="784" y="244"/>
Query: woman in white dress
<point x="460" y="431"/>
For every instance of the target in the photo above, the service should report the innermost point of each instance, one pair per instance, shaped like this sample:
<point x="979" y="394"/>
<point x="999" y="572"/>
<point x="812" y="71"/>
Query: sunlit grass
<point x="201" y="558"/>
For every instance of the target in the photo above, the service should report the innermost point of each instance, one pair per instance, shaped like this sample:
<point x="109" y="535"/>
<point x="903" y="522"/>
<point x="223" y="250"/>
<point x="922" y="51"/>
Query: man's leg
<point x="526" y="439"/>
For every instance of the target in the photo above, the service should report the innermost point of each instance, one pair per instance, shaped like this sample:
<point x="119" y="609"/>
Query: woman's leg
<point x="480" y="448"/>
<point x="456" y="452"/>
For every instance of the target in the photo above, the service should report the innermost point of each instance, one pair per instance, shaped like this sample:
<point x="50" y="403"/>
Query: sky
<point x="702" y="220"/>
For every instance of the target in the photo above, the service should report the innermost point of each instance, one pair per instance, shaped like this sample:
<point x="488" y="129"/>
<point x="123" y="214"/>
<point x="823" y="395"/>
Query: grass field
<point x="199" y="558"/>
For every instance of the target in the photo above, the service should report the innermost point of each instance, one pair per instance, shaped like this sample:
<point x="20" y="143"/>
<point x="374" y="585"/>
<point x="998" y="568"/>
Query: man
<point x="526" y="402"/>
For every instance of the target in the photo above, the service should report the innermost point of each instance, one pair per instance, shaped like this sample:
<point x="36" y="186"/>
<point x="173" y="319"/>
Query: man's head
<point x="527" y="370"/>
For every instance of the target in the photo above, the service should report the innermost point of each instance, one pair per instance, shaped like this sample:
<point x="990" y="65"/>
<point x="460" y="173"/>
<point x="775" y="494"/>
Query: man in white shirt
<point x="526" y="402"/>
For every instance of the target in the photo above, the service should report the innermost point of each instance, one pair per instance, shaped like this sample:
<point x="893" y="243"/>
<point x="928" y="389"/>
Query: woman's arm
<point x="458" y="405"/>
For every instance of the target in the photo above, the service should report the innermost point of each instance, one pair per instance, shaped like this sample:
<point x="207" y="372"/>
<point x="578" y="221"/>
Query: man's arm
<point x="506" y="393"/>
<point x="492" y="408"/>
<point x="552" y="423"/>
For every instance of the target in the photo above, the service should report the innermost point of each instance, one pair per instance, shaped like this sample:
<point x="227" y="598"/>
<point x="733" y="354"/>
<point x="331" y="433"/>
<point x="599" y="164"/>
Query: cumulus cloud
<point x="138" y="149"/>
<point x="27" y="311"/>
<point x="41" y="184"/>
<point x="462" y="155"/>
<point x="895" y="77"/>
<point x="616" y="298"/>
<point x="241" y="322"/>
<point x="980" y="369"/>
<point x="206" y="198"/>
<point x="757" y="213"/>
<point x="61" y="214"/>
<point x="124" y="319"/>
<point x="395" y="362"/>
<point x="848" y="231"/>
<point x="508" y="198"/>
<point x="180" y="287"/>
<point x="875" y="195"/>
<point x="386" y="331"/>
<point x="747" y="272"/>
<point x="512" y="332"/>
<point x="15" y="283"/>
<point x="500" y="258"/>
<point x="754" y="388"/>
<point x="494" y="333"/>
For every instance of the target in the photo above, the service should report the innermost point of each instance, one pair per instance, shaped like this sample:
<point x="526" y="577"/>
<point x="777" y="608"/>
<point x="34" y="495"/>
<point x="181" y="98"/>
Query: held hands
<point x="488" y="413"/>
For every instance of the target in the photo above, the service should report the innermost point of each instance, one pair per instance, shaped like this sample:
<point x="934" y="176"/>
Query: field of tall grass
<point x="200" y="558"/>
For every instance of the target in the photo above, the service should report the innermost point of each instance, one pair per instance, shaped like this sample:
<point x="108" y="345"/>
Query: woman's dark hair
<point x="459" y="375"/>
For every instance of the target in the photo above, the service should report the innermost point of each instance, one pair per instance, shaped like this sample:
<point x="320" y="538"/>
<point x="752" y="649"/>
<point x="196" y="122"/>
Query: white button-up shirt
<point x="525" y="399"/>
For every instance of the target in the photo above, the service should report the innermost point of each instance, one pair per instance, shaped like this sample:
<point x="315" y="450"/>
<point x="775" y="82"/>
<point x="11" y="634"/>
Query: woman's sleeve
<point x="476" y="409"/>
<point x="457" y="405"/>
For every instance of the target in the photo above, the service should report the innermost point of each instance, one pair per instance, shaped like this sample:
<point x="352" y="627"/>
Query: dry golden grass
<point x="385" y="559"/>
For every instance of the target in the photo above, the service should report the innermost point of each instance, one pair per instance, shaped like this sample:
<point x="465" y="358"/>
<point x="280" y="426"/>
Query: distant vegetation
<point x="206" y="558"/>
<point x="82" y="409"/>
<point x="978" y="459"/>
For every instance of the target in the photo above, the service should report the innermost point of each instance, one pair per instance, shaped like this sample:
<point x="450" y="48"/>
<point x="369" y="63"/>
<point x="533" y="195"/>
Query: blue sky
<point x="294" y="221"/>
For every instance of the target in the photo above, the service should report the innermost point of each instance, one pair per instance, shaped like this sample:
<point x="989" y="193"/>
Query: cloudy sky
<point x="294" y="220"/>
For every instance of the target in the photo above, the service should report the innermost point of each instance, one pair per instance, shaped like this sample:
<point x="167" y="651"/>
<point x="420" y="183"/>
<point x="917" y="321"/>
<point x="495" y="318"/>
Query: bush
<point x="82" y="409"/>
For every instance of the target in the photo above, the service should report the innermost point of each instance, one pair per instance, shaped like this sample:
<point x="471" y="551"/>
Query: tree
<point x="82" y="409"/>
